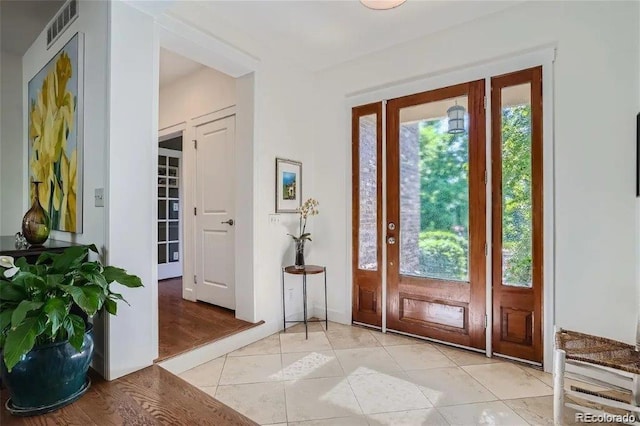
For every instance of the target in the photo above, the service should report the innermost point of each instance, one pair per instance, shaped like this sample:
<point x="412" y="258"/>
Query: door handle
<point x="229" y="222"/>
<point x="391" y="240"/>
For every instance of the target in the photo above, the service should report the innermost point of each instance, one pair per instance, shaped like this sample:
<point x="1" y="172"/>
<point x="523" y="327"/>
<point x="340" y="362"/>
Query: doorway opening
<point x="435" y="238"/>
<point x="196" y="226"/>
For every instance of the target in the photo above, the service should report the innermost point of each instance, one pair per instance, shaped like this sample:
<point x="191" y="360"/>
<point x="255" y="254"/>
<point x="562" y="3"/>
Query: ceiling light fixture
<point x="382" y="4"/>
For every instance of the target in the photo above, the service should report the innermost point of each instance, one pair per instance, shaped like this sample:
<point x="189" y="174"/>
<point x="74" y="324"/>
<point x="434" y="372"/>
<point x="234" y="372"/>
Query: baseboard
<point x="191" y="359"/>
<point x="334" y="316"/>
<point x="97" y="363"/>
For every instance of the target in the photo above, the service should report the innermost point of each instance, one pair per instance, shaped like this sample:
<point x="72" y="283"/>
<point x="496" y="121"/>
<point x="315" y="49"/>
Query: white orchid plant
<point x="309" y="208"/>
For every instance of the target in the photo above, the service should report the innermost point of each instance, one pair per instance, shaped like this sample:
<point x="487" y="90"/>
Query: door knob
<point x="228" y="222"/>
<point x="391" y="240"/>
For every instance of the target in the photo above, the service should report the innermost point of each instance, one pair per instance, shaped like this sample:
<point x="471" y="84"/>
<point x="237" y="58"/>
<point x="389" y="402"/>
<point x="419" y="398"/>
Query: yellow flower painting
<point x="54" y="139"/>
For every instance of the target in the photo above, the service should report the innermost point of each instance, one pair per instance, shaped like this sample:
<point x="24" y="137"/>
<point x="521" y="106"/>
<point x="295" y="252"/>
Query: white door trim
<point x="541" y="55"/>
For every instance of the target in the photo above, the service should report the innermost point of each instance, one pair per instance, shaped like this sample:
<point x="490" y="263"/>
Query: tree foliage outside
<point x="444" y="195"/>
<point x="516" y="195"/>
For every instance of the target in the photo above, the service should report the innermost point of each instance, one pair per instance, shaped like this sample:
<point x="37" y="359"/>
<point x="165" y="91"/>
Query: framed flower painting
<point x="55" y="105"/>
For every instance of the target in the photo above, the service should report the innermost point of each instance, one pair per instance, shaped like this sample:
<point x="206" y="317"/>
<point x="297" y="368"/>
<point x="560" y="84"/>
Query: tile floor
<point x="355" y="376"/>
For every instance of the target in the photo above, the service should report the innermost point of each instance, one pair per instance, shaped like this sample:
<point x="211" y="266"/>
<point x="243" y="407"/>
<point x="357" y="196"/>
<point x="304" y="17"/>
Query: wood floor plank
<point x="184" y="325"/>
<point x="151" y="396"/>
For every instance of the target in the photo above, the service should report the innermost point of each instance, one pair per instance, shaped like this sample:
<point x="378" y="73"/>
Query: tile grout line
<point x="284" y="385"/>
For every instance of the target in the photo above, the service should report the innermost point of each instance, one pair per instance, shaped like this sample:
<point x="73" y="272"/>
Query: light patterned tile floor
<point x="355" y="376"/>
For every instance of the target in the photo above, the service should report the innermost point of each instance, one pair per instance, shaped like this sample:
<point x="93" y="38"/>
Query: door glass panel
<point x="162" y="209"/>
<point x="162" y="231"/>
<point x="174" y="252"/>
<point x="162" y="253"/>
<point x="174" y="231"/>
<point x="516" y="186"/>
<point x="368" y="172"/>
<point x="434" y="192"/>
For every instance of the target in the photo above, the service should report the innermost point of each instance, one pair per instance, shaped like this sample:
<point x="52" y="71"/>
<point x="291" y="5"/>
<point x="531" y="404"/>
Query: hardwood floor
<point x="185" y="325"/>
<point x="151" y="396"/>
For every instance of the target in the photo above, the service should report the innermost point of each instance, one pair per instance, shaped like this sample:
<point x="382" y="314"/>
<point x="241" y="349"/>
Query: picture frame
<point x="288" y="185"/>
<point x="57" y="162"/>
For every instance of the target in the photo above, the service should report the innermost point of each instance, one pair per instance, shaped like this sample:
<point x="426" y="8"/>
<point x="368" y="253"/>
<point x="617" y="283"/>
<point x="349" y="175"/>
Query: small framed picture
<point x="288" y="185"/>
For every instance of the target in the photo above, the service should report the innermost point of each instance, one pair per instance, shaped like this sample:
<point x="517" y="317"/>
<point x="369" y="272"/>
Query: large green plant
<point x="45" y="302"/>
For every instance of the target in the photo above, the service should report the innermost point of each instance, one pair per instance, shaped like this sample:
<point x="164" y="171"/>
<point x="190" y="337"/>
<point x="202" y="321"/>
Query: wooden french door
<point x="516" y="117"/>
<point x="436" y="223"/>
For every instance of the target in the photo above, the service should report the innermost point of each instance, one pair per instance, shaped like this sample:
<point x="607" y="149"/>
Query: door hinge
<point x="195" y="211"/>
<point x="486" y="320"/>
<point x="485" y="102"/>
<point x="486" y="249"/>
<point x="195" y="281"/>
<point x="486" y="176"/>
<point x="195" y="143"/>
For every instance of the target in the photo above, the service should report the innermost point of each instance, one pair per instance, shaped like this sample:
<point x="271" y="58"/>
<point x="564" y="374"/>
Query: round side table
<point x="304" y="271"/>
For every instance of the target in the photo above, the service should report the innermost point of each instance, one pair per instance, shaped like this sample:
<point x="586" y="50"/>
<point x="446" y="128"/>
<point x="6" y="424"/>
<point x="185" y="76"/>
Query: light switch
<point x="99" y="196"/>
<point x="274" y="219"/>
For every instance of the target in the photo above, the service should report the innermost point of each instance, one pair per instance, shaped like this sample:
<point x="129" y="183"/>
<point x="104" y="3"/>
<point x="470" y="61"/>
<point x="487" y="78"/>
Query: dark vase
<point x="299" y="264"/>
<point x="35" y="223"/>
<point x="48" y="377"/>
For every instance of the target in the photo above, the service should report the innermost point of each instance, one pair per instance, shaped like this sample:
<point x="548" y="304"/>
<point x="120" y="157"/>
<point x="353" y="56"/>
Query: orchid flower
<point x="7" y="262"/>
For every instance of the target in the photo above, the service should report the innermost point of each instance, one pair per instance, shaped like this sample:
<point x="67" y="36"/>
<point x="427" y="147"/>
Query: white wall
<point x="202" y="92"/>
<point x="132" y="162"/>
<point x="92" y="21"/>
<point x="596" y="68"/>
<point x="11" y="145"/>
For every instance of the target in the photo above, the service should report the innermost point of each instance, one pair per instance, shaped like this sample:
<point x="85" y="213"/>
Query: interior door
<point x="169" y="214"/>
<point x="436" y="230"/>
<point x="215" y="236"/>
<point x="516" y="104"/>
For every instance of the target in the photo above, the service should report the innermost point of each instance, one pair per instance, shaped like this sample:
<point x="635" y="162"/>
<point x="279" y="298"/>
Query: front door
<point x="215" y="236"/>
<point x="436" y="217"/>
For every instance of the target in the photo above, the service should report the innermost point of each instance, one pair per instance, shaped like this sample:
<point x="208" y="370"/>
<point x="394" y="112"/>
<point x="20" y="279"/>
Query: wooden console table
<point x="8" y="248"/>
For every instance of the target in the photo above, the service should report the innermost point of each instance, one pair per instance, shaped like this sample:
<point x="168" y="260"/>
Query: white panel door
<point x="215" y="236"/>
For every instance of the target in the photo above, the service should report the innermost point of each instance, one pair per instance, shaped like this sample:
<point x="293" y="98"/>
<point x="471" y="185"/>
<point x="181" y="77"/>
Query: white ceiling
<point x="21" y="21"/>
<point x="320" y="34"/>
<point x="174" y="66"/>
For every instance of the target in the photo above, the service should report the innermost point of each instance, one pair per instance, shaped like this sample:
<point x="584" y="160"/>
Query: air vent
<point x="62" y="20"/>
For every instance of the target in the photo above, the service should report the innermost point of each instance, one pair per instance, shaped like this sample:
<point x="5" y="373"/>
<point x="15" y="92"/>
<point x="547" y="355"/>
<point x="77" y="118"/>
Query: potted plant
<point x="46" y="341"/>
<point x="309" y="208"/>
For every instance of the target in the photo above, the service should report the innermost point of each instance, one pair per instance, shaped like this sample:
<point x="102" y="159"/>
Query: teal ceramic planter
<point x="48" y="377"/>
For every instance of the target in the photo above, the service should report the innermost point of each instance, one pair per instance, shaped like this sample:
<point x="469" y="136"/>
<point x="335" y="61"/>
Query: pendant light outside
<point x="456" y="119"/>
<point x="382" y="4"/>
